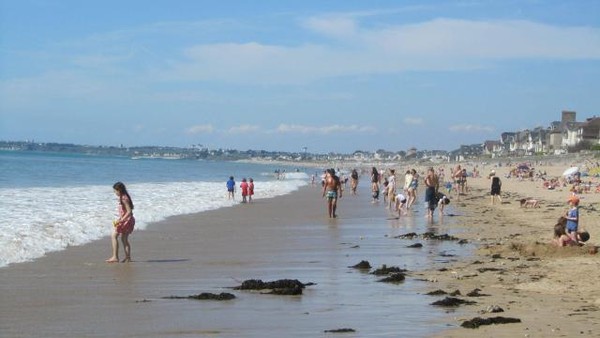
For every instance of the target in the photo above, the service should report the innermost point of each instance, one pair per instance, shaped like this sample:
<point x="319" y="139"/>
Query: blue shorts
<point x="331" y="194"/>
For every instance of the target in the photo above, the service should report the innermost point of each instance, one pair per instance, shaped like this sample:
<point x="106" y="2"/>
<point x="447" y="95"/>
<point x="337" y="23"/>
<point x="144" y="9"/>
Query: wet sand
<point x="74" y="293"/>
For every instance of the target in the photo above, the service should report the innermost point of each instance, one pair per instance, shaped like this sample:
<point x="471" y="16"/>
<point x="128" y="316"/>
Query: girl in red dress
<point x="123" y="226"/>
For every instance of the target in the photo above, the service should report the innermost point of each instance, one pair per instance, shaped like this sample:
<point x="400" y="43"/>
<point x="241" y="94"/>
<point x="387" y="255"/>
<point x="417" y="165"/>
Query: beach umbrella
<point x="571" y="171"/>
<point x="523" y="166"/>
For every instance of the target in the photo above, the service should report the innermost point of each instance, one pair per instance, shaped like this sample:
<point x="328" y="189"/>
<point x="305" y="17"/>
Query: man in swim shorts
<point x="332" y="189"/>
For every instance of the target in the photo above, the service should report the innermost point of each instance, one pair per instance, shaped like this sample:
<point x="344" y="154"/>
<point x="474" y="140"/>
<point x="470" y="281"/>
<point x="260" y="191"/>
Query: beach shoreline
<point x="74" y="293"/>
<point x="551" y="290"/>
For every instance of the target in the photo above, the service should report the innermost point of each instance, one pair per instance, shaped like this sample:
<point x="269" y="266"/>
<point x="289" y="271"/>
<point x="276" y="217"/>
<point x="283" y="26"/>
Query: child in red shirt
<point x="244" y="187"/>
<point x="250" y="189"/>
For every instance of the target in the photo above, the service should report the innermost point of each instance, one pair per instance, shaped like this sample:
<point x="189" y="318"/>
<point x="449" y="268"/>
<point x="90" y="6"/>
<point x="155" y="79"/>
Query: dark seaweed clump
<point x="344" y="330"/>
<point x="206" y="296"/>
<point x="278" y="287"/>
<point x="385" y="270"/>
<point x="432" y="236"/>
<point x="452" y="302"/>
<point x="439" y="292"/>
<point x="478" y="321"/>
<point x="363" y="265"/>
<point x="394" y="278"/>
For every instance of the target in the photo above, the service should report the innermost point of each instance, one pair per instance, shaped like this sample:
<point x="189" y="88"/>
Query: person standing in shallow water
<point x="244" y="187"/>
<point x="123" y="226"/>
<point x="332" y="190"/>
<point x="431" y="189"/>
<point x="375" y="184"/>
<point x="250" y="189"/>
<point x="231" y="188"/>
<point x="354" y="181"/>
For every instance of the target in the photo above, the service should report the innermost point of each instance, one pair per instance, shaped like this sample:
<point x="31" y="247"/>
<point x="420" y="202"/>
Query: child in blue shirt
<point x="231" y="188"/>
<point x="573" y="218"/>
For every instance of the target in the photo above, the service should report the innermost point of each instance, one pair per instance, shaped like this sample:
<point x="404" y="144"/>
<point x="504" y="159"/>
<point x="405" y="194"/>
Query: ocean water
<point x="52" y="201"/>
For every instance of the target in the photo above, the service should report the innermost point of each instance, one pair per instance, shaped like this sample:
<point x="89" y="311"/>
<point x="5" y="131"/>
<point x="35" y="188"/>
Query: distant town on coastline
<point x="561" y="137"/>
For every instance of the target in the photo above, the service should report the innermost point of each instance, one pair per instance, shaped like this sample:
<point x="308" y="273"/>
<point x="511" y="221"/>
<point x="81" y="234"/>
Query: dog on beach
<point x="529" y="203"/>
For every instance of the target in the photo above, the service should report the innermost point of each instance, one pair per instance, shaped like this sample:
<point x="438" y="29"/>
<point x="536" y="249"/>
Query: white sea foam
<point x="34" y="221"/>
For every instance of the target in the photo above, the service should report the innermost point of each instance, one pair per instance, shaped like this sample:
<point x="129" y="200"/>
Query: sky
<point x="328" y="76"/>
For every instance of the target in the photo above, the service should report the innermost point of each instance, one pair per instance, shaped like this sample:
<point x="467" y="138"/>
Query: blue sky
<point x="282" y="75"/>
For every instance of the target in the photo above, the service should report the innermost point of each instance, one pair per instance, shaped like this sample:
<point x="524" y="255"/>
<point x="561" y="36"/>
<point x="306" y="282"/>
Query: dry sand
<point x="554" y="291"/>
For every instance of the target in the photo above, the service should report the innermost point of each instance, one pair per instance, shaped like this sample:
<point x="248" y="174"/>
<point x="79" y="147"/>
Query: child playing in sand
<point x="560" y="236"/>
<point x="123" y="226"/>
<point x="562" y="239"/>
<point x="442" y="203"/>
<point x="572" y="217"/>
<point x="401" y="204"/>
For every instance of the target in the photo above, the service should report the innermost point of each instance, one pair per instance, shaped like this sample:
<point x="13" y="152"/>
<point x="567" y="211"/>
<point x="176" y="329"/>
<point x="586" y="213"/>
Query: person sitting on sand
<point x="560" y="236"/>
<point x="562" y="239"/>
<point x="529" y="203"/>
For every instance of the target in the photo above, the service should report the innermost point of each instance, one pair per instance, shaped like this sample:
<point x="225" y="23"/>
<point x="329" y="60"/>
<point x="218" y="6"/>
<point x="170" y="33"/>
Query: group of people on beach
<point x="566" y="229"/>
<point x="247" y="187"/>
<point x="396" y="197"/>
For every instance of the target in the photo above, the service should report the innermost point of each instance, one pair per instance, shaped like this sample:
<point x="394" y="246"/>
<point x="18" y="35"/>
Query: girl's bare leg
<point x="126" y="248"/>
<point x="115" y="248"/>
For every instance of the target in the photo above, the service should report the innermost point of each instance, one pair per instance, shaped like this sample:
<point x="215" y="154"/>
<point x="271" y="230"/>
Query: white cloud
<point x="470" y="128"/>
<point x="413" y="120"/>
<point x="200" y="129"/>
<point x="332" y="129"/>
<point x="243" y="129"/>
<point x="510" y="39"/>
<point x="338" y="27"/>
<point x="441" y="44"/>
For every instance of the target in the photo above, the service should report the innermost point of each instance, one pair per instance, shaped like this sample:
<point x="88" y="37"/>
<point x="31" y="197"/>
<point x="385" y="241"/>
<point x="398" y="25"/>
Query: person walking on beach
<point x="375" y="184"/>
<point x="250" y="189"/>
<point x="412" y="188"/>
<point x="230" y="188"/>
<point x="457" y="178"/>
<point x="244" y="187"/>
<point x="332" y="190"/>
<point x="391" y="189"/>
<point x="496" y="187"/>
<point x="354" y="181"/>
<point x="123" y="226"/>
<point x="432" y="185"/>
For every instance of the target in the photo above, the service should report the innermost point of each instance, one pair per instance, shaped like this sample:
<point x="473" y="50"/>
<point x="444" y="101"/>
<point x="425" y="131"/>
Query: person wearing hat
<point x="572" y="217"/>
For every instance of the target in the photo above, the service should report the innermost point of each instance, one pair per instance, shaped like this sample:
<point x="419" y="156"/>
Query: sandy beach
<point x="552" y="290"/>
<point x="508" y="263"/>
<point x="74" y="293"/>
